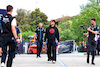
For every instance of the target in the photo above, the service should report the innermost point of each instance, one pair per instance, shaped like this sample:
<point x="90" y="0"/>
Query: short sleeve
<point x="36" y="30"/>
<point x="14" y="22"/>
<point x="43" y="30"/>
<point x="19" y="30"/>
<point x="97" y="28"/>
<point x="89" y="26"/>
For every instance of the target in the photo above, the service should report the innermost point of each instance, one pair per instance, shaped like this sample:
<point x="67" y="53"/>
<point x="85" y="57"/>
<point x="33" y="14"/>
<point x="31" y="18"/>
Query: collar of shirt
<point x="40" y="28"/>
<point x="92" y="27"/>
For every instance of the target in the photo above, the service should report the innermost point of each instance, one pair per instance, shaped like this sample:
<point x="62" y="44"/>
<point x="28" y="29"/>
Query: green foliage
<point x="26" y="34"/>
<point x="91" y="4"/>
<point x="64" y="30"/>
<point x="68" y="28"/>
<point x="74" y="31"/>
<point x="28" y="21"/>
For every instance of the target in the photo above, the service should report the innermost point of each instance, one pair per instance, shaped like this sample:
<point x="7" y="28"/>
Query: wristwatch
<point x="16" y="38"/>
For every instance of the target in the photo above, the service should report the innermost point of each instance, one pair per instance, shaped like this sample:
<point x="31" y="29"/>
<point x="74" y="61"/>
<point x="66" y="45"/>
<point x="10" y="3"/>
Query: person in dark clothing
<point x="39" y="33"/>
<point x="16" y="49"/>
<point x="98" y="46"/>
<point x="93" y="30"/>
<point x="0" y="42"/>
<point x="0" y="45"/>
<point x="51" y="34"/>
<point x="8" y="24"/>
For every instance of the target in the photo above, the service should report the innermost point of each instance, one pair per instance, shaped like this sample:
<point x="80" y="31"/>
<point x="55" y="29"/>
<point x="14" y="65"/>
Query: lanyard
<point x="40" y="35"/>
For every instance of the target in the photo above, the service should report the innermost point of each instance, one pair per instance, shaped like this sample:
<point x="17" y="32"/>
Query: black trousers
<point x="39" y="47"/>
<point x="98" y="51"/>
<point x="0" y="40"/>
<point x="8" y="41"/>
<point x="51" y="46"/>
<point x="91" y="47"/>
<point x="16" y="51"/>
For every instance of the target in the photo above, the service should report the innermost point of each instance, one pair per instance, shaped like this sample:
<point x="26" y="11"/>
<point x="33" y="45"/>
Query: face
<point x="40" y="25"/>
<point x="82" y="41"/>
<point x="93" y="22"/>
<point x="52" y="24"/>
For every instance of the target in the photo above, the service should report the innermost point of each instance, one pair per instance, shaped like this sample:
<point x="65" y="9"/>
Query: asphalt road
<point x="63" y="60"/>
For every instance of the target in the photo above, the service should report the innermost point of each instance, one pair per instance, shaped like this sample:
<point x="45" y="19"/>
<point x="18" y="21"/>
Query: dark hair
<point x="9" y="8"/>
<point x="94" y="19"/>
<point x="52" y="21"/>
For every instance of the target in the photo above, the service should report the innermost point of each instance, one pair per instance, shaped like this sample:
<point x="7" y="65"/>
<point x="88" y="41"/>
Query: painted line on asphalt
<point x="63" y="65"/>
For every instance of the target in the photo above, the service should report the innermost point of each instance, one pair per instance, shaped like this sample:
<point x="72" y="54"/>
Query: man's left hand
<point x="17" y="40"/>
<point x="0" y="51"/>
<point x="88" y="29"/>
<point x="21" y="40"/>
<point x="58" y="43"/>
<point x="44" y="43"/>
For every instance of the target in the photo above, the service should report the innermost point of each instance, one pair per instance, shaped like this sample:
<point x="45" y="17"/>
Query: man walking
<point x="0" y="46"/>
<point x="51" y="34"/>
<point x="9" y="33"/>
<point x="39" y="33"/>
<point x="93" y="30"/>
<point x="0" y="43"/>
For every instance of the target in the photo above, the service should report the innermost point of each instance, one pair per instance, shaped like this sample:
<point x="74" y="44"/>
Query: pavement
<point x="63" y="60"/>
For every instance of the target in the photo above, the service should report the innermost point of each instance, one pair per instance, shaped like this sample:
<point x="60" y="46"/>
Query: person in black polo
<point x="51" y="35"/>
<point x="39" y="33"/>
<point x="93" y="30"/>
<point x="8" y="24"/>
<point x="0" y="44"/>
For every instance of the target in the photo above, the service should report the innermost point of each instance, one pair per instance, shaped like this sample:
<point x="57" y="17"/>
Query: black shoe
<point x="93" y="63"/>
<point x="49" y="60"/>
<point x="39" y="56"/>
<point x="88" y="61"/>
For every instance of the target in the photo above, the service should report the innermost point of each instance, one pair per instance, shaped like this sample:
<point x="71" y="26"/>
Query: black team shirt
<point x="6" y="26"/>
<point x="40" y="32"/>
<point x="93" y="28"/>
<point x="51" y="34"/>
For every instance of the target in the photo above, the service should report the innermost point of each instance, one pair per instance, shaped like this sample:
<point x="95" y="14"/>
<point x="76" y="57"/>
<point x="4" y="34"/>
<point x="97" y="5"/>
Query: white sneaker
<point x="2" y="64"/>
<point x="57" y="53"/>
<point x="53" y="61"/>
<point x="13" y="60"/>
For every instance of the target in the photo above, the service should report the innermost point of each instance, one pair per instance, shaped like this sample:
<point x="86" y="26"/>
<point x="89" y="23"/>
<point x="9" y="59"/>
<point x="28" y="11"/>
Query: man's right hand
<point x="34" y="40"/>
<point x="44" y="43"/>
<point x="85" y="34"/>
<point x="17" y="40"/>
<point x="0" y="51"/>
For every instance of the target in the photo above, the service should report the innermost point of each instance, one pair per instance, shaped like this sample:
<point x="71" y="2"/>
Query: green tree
<point x="74" y="31"/>
<point x="28" y="21"/>
<point x="91" y="4"/>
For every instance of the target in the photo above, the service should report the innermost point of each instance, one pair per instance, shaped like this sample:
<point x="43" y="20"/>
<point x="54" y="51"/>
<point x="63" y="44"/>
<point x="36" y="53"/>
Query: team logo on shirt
<point x="52" y="30"/>
<point x="5" y="20"/>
